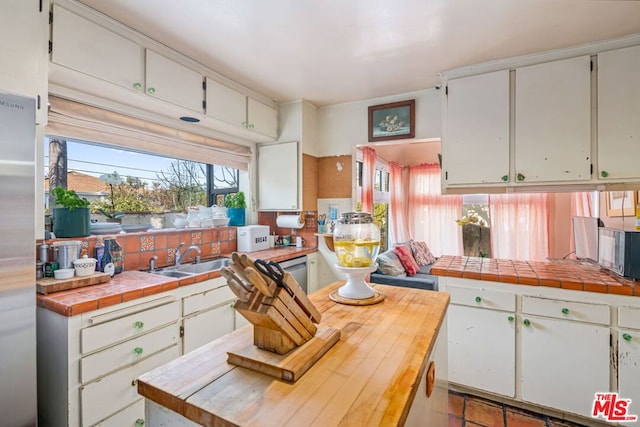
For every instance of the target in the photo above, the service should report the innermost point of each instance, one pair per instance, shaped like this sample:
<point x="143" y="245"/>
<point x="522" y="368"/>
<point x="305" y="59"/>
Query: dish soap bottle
<point x="116" y="256"/>
<point x="98" y="253"/>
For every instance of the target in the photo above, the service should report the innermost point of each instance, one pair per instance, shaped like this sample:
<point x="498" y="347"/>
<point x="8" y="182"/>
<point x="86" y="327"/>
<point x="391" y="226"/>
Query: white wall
<point x="342" y="126"/>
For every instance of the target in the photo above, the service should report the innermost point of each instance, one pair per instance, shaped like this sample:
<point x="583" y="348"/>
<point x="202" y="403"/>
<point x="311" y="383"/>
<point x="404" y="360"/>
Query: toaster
<point x="253" y="238"/>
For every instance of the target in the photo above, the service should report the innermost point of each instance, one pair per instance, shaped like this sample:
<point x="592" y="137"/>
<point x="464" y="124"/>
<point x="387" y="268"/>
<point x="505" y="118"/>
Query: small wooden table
<point x="372" y="376"/>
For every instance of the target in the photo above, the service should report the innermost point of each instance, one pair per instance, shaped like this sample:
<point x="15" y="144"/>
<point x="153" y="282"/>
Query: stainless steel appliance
<point x="619" y="251"/>
<point x="298" y="269"/>
<point x="18" y="403"/>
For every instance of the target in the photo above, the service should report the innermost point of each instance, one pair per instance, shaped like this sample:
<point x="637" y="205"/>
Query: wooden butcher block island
<point x="379" y="373"/>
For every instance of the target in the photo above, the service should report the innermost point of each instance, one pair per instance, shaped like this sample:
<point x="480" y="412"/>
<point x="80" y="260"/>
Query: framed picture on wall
<point x="395" y="120"/>
<point x="621" y="203"/>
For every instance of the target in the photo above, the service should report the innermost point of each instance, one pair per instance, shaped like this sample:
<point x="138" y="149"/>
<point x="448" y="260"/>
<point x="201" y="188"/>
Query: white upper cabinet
<point x="278" y="178"/>
<point x="553" y="121"/>
<point x="476" y="148"/>
<point x="234" y="107"/>
<point x="86" y="47"/>
<point x="173" y="82"/>
<point x="619" y="113"/>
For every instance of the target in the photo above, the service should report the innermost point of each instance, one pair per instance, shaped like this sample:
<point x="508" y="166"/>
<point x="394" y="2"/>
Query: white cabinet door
<point x="564" y="363"/>
<point x="482" y="345"/>
<point x="225" y="103"/>
<point x="173" y="82"/>
<point x="83" y="46"/>
<point x="618" y="113"/>
<point x="629" y="367"/>
<point x="553" y="121"/>
<point x="476" y="144"/>
<point x="262" y="118"/>
<point x="206" y="326"/>
<point x="278" y="181"/>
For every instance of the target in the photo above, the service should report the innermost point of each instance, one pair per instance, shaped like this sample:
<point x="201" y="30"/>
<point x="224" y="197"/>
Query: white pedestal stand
<point x="356" y="286"/>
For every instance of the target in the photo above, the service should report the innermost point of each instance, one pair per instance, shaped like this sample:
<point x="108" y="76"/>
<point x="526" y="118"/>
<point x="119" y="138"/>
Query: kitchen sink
<point x="186" y="270"/>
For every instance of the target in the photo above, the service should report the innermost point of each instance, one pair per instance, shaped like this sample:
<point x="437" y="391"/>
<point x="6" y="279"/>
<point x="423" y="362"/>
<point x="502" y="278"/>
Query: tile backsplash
<point x="306" y="232"/>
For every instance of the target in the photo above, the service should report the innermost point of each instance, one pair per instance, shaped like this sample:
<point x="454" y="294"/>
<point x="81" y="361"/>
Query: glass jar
<point x="356" y="240"/>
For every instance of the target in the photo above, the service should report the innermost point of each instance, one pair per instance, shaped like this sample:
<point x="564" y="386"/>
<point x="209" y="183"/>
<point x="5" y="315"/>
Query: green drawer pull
<point x="138" y="350"/>
<point x="139" y="422"/>
<point x="138" y="325"/>
<point x="505" y="178"/>
<point x="565" y="311"/>
<point x="627" y="337"/>
<point x="134" y="383"/>
<point x="520" y="177"/>
<point x="478" y="300"/>
<point x="511" y="318"/>
<point x="151" y="90"/>
<point x="137" y="86"/>
<point x="526" y="322"/>
<point x="604" y="174"/>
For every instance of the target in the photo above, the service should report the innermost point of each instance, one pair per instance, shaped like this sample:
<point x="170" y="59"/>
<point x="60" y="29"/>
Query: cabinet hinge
<point x="204" y="105"/>
<point x="591" y="170"/>
<point x="181" y="331"/>
<point x="610" y="340"/>
<point x="50" y="46"/>
<point x="204" y="85"/>
<point x="38" y="102"/>
<point x="446" y="90"/>
<point x="591" y="65"/>
<point x="40" y="5"/>
<point x="51" y="17"/>
<point x="446" y="175"/>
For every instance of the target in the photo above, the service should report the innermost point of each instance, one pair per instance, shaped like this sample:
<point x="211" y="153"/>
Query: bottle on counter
<point x="44" y="253"/>
<point x="106" y="262"/>
<point x="98" y="253"/>
<point x="117" y="256"/>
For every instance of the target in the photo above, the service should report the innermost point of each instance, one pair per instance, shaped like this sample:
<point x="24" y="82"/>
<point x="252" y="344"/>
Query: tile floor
<point x="470" y="411"/>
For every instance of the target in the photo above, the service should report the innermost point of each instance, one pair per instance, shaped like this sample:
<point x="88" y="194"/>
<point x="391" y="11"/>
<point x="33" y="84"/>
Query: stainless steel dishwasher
<point x="298" y="269"/>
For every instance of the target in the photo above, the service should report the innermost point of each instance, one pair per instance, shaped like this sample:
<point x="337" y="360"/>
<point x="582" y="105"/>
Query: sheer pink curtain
<point x="519" y="226"/>
<point x="398" y="195"/>
<point x="368" y="171"/>
<point x="432" y="216"/>
<point x="582" y="204"/>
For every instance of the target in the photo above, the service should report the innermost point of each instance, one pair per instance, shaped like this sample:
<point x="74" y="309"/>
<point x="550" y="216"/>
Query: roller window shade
<point x="69" y="119"/>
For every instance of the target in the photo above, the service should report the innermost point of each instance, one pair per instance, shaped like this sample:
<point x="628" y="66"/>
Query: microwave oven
<point x="619" y="252"/>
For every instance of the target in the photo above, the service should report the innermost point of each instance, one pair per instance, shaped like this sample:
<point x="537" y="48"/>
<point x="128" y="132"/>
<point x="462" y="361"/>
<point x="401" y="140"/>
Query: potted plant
<point x="236" y="205"/>
<point x="72" y="218"/>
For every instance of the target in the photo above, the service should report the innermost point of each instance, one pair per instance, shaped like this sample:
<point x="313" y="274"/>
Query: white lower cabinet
<point x="132" y="416"/>
<point x="208" y="315"/>
<point x="482" y="340"/>
<point x="629" y="357"/>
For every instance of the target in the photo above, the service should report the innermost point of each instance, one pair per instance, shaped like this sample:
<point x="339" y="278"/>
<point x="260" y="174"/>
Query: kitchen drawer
<point x="132" y="416"/>
<point x="208" y="299"/>
<point x="128" y="326"/>
<point x="128" y="352"/>
<point x="484" y="298"/>
<point x="110" y="394"/>
<point x="570" y="310"/>
<point x="629" y="317"/>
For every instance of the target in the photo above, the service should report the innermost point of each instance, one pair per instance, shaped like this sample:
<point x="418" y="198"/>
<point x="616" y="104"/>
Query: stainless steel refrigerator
<point x="18" y="405"/>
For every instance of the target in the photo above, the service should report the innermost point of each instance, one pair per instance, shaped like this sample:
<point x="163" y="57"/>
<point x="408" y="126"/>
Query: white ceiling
<point x="335" y="51"/>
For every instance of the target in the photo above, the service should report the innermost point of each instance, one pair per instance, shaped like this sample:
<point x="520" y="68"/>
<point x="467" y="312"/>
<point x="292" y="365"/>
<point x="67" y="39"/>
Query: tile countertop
<point x="565" y="274"/>
<point x="130" y="285"/>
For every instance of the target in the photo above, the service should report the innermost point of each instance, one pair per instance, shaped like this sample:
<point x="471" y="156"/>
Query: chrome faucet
<point x="180" y="256"/>
<point x="152" y="264"/>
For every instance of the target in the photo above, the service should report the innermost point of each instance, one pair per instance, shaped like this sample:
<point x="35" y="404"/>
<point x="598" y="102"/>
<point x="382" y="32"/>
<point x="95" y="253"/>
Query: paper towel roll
<point x="289" y="221"/>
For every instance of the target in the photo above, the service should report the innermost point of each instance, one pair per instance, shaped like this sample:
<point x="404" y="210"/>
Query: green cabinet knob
<point x="526" y="322"/>
<point x="244" y="124"/>
<point x="137" y="86"/>
<point x="565" y="311"/>
<point x="520" y="177"/>
<point x="138" y="325"/>
<point x="627" y="337"/>
<point x="138" y="350"/>
<point x="151" y="90"/>
<point x="250" y="125"/>
<point x="478" y="300"/>
<point x="511" y="318"/>
<point x="134" y="383"/>
<point x="139" y="422"/>
<point x="505" y="178"/>
<point x="604" y="174"/>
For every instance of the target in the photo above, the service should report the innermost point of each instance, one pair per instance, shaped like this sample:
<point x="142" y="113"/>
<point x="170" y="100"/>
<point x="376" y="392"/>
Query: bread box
<point x="253" y="238"/>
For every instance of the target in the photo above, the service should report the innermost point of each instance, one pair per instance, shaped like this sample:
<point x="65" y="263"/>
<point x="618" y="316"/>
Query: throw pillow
<point x="406" y="258"/>
<point x="421" y="253"/>
<point x="389" y="264"/>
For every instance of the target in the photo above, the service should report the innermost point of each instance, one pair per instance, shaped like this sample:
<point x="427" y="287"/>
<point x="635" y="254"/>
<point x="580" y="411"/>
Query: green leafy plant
<point x="235" y="200"/>
<point x="69" y="199"/>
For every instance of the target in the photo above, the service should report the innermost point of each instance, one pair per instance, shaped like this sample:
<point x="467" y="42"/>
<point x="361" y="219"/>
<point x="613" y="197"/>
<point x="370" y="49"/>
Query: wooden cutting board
<point x="49" y="285"/>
